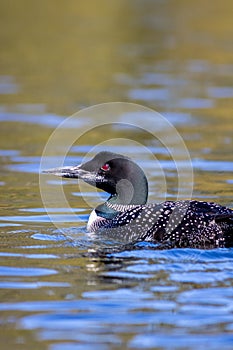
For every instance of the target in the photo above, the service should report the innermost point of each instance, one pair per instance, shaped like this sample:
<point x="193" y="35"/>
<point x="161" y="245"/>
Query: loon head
<point x="113" y="173"/>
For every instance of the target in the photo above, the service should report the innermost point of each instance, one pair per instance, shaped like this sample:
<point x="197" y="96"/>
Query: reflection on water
<point x="8" y="86"/>
<point x="69" y="289"/>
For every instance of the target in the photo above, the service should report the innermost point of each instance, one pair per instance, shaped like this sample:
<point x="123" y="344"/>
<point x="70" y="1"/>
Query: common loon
<point x="182" y="223"/>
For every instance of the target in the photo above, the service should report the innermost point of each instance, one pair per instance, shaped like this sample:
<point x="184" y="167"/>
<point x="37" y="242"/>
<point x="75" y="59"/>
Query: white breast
<point x="93" y="220"/>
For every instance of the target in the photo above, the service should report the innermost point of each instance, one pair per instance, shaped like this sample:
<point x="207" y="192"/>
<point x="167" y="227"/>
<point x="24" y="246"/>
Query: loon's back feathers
<point x="181" y="223"/>
<point x="127" y="216"/>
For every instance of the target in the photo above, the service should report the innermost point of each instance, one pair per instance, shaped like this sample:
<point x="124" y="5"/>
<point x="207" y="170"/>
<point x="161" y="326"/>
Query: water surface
<point x="60" y="287"/>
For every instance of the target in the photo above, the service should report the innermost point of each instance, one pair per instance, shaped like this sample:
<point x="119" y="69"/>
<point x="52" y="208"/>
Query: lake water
<point x="62" y="288"/>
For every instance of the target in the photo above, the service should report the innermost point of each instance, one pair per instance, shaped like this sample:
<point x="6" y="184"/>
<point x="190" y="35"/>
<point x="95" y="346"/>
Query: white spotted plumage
<point x="181" y="223"/>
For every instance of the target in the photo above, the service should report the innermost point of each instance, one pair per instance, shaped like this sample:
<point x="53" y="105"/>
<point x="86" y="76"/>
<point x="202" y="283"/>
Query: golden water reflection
<point x="69" y="54"/>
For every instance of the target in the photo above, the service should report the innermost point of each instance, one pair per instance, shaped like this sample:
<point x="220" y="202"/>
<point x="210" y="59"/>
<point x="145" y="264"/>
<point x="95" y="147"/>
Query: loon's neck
<point x="128" y="197"/>
<point x="112" y="207"/>
<point x="130" y="189"/>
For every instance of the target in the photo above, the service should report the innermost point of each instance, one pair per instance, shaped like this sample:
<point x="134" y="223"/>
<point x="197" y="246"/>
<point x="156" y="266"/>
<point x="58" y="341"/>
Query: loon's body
<point x="126" y="215"/>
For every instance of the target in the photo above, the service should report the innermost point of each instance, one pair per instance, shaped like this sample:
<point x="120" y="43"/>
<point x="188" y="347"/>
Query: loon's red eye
<point x="105" y="167"/>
